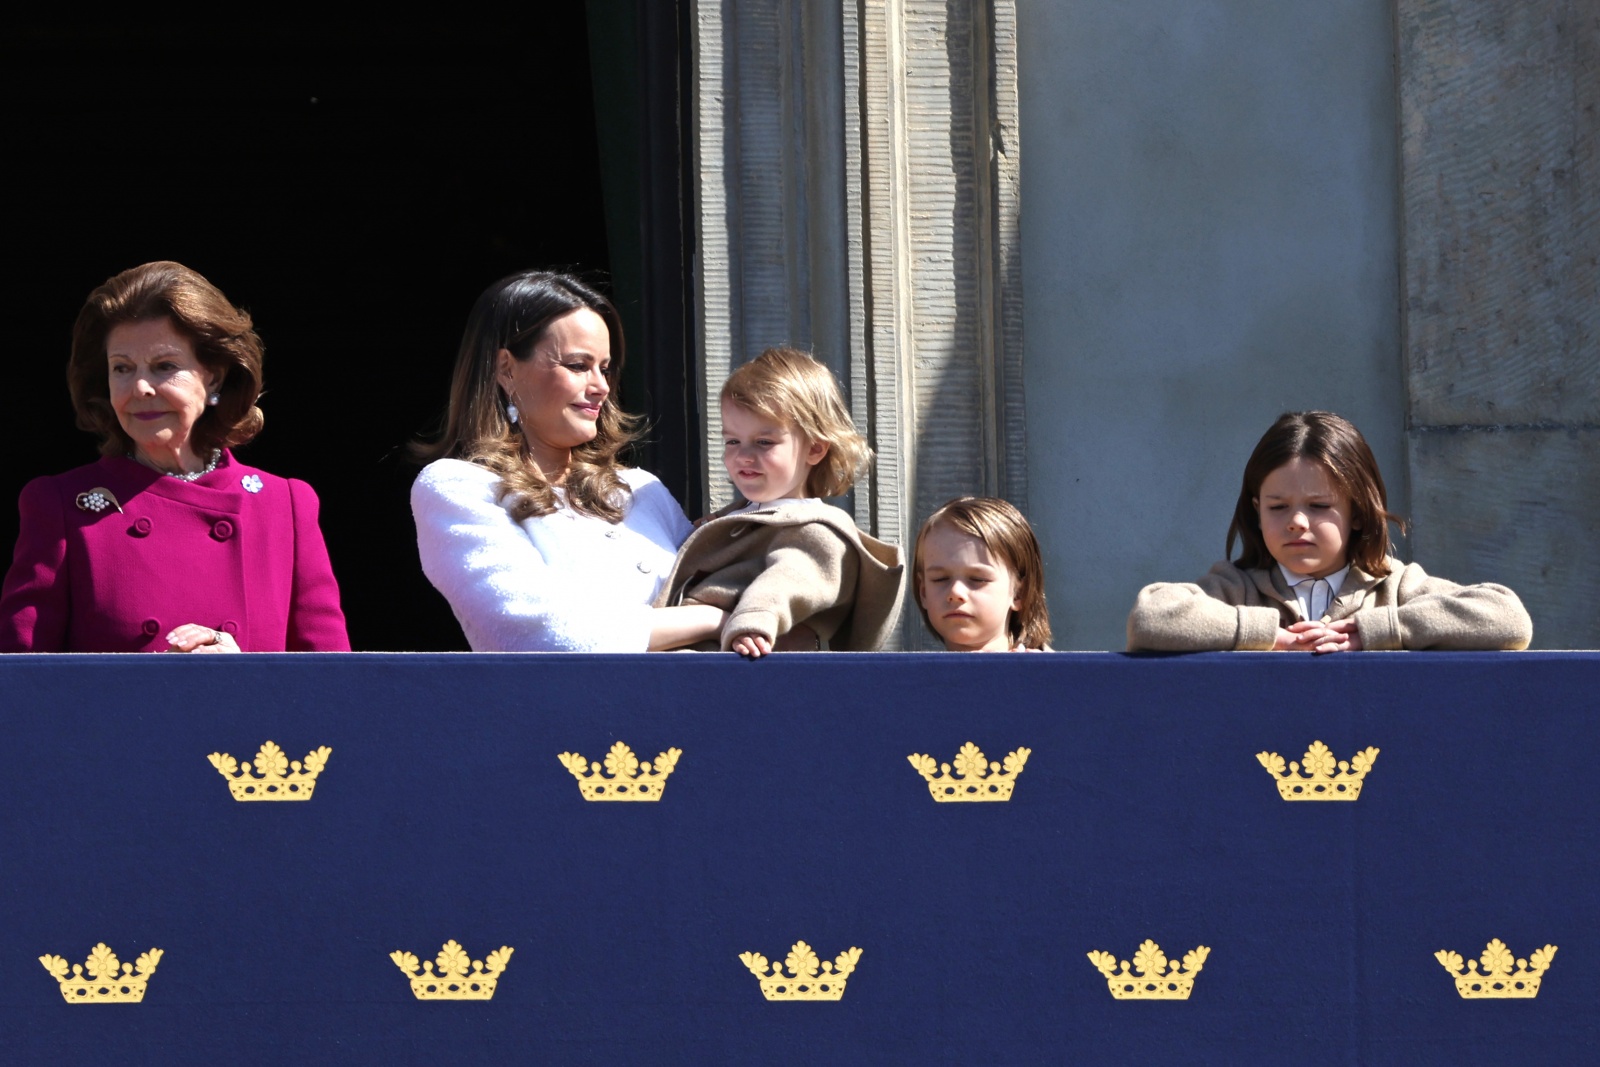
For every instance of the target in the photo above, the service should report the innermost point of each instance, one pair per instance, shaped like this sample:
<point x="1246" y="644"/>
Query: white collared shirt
<point x="756" y="506"/>
<point x="1314" y="595"/>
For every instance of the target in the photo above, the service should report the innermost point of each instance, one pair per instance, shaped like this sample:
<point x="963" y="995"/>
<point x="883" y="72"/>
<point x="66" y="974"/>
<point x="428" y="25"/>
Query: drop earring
<point x="213" y="400"/>
<point x="512" y="414"/>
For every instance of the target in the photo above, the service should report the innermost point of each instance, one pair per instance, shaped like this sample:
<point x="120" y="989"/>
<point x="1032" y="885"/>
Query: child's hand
<point x="1341" y="636"/>
<point x="752" y="646"/>
<point x="1303" y="636"/>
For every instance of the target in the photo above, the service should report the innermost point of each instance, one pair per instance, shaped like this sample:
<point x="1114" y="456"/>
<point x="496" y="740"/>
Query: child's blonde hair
<point x="788" y="385"/>
<point x="1008" y="537"/>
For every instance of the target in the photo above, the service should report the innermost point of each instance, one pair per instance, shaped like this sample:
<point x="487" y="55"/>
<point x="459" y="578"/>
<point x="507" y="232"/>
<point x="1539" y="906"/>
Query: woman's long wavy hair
<point x="1334" y="442"/>
<point x="224" y="339"/>
<point x="513" y="314"/>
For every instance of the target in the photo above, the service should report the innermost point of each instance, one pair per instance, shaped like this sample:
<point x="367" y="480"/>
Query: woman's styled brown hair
<point x="513" y="314"/>
<point x="788" y="385"/>
<point x="1009" y="538"/>
<point x="1333" y="442"/>
<point x="224" y="342"/>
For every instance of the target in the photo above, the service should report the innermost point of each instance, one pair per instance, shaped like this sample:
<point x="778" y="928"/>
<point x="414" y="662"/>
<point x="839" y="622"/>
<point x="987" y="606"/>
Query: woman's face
<point x="559" y="388"/>
<point x="158" y="387"/>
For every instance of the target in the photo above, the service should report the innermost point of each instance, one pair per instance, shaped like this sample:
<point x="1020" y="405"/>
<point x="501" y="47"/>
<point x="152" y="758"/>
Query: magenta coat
<point x="238" y="550"/>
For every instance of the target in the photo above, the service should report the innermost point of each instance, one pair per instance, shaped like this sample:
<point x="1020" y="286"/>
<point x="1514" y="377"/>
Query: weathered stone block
<point x="1500" y="165"/>
<point x="1518" y="508"/>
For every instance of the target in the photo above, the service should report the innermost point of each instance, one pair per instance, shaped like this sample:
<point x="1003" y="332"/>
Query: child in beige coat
<point x="1315" y="573"/>
<point x="787" y="559"/>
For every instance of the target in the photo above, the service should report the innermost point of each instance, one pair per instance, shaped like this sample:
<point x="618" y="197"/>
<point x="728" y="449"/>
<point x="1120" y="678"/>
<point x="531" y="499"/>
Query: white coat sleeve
<point x="505" y="594"/>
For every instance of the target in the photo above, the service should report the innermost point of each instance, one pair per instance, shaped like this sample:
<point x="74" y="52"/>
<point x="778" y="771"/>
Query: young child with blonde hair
<point x="1315" y="573"/>
<point x="785" y="558"/>
<point x="979" y="578"/>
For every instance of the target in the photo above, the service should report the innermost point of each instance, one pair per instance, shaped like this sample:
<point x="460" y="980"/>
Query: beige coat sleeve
<point x="1212" y="615"/>
<point x="1433" y="613"/>
<point x="809" y="569"/>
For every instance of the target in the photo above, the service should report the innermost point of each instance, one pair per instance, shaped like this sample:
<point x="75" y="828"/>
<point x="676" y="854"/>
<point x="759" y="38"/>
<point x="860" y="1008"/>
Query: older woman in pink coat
<point x="167" y="543"/>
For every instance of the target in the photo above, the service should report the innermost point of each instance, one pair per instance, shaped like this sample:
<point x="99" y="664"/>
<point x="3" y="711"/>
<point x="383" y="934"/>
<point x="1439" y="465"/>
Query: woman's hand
<point x="684" y="624"/>
<point x="1341" y="636"/>
<point x="751" y="646"/>
<point x="192" y="637"/>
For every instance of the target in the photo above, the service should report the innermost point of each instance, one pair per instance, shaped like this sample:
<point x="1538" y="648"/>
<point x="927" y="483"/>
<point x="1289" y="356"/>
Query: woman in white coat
<point x="535" y="534"/>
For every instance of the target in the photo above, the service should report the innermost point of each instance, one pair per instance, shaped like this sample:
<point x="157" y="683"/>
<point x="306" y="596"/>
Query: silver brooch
<point x="251" y="483"/>
<point x="97" y="500"/>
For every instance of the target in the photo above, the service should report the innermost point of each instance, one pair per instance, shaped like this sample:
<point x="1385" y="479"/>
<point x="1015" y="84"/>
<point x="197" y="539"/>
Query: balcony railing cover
<point x="793" y="814"/>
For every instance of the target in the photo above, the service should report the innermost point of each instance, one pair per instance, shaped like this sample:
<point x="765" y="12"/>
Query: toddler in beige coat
<point x="1315" y="573"/>
<point x="786" y="559"/>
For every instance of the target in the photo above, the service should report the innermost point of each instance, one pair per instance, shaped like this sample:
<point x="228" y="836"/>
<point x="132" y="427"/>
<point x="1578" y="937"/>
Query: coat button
<point x="222" y="529"/>
<point x="152" y="627"/>
<point x="141" y="527"/>
<point x="229" y="627"/>
<point x="644" y="568"/>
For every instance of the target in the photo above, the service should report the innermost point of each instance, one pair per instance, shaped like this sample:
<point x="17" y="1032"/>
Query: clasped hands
<point x="1319" y="637"/>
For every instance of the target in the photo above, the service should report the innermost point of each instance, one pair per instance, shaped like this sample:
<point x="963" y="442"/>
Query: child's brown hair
<point x="1008" y="537"/>
<point x="788" y="385"/>
<point x="1334" y="442"/>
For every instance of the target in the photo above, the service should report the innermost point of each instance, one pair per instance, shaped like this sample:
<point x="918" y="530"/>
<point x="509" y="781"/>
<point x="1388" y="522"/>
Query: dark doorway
<point x="354" y="185"/>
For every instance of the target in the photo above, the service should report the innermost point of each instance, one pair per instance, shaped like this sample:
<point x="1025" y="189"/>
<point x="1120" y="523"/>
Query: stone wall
<point x="1386" y="208"/>
<point x="858" y="194"/>
<point x="1210" y="205"/>
<point x="1499" y="135"/>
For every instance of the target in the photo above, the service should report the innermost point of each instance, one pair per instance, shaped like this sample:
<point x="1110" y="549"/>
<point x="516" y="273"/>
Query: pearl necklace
<point x="182" y="476"/>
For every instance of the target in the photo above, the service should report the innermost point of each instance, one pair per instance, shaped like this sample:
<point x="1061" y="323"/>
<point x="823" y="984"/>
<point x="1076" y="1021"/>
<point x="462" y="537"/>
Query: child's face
<point x="968" y="594"/>
<point x="1305" y="518"/>
<point x="767" y="459"/>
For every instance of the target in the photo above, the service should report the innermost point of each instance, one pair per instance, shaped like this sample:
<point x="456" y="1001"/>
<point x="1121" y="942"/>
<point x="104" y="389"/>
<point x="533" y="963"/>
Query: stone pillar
<point x="857" y="179"/>
<point x="1500" y="172"/>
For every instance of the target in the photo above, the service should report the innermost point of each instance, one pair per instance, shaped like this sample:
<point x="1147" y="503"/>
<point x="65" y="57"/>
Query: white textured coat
<point x="563" y="582"/>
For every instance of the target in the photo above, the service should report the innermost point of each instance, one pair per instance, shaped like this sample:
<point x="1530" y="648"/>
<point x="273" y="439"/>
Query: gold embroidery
<point x="276" y="776"/>
<point x="975" y="778"/>
<point x="1156" y="981"/>
<point x="808" y="978"/>
<point x="625" y="777"/>
<point x="97" y="981"/>
<point x="459" y="977"/>
<point x="1499" y="978"/>
<point x="1316" y="778"/>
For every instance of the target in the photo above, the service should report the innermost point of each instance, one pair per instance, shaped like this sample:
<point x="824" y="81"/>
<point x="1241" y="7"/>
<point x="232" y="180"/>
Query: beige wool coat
<point x="1235" y="609"/>
<point x="787" y="563"/>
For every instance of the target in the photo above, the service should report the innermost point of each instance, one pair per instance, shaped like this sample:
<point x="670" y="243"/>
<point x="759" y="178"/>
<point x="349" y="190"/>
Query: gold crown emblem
<point x="101" y="979"/>
<point x="808" y="978"/>
<point x="1499" y="977"/>
<point x="1320" y="777"/>
<point x="276" y="777"/>
<point x="459" y="977"/>
<point x="975" y="778"/>
<point x="1157" y="980"/>
<point x="625" y="777"/>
